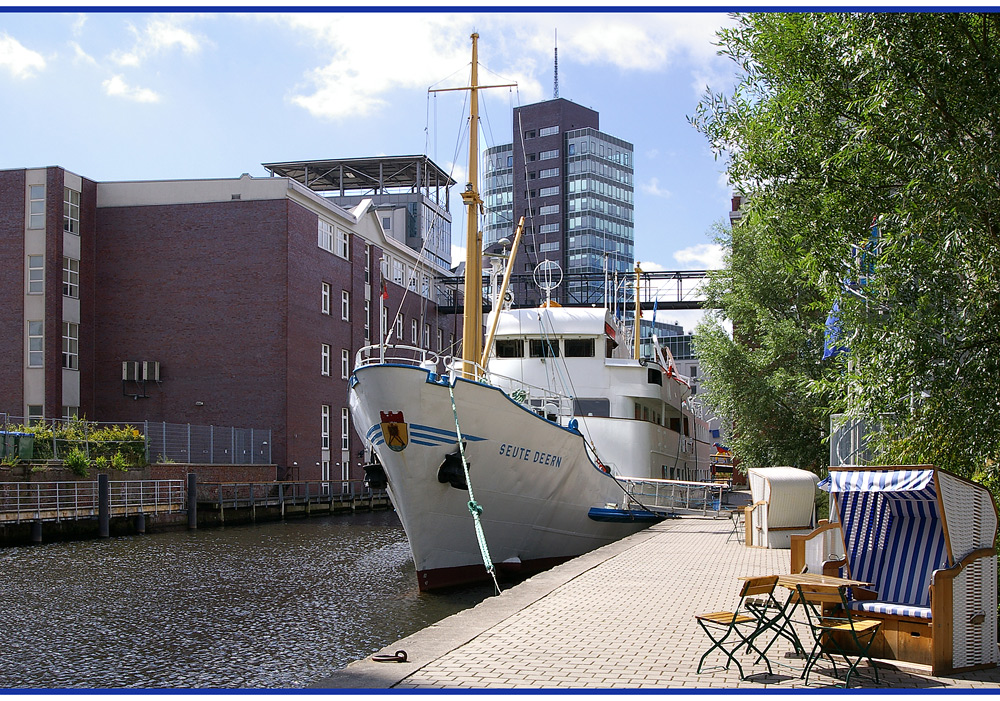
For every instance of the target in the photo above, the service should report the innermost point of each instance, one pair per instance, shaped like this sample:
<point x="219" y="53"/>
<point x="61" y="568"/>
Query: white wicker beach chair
<point x="924" y="539"/>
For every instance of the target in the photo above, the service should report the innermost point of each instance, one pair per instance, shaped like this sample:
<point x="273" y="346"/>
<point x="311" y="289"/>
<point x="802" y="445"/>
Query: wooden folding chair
<point x="742" y="622"/>
<point x="835" y="630"/>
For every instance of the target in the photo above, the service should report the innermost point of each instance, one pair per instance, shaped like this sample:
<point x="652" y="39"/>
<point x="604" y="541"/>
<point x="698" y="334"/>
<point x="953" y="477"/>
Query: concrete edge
<point x="448" y="634"/>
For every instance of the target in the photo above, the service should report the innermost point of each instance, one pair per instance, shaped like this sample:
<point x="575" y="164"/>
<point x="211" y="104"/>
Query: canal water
<point x="280" y="604"/>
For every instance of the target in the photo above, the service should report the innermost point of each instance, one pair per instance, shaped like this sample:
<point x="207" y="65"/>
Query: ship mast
<point x="472" y="313"/>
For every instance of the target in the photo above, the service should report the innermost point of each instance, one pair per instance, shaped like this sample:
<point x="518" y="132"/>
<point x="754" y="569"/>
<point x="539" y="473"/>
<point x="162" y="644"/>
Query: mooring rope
<point x="474" y="508"/>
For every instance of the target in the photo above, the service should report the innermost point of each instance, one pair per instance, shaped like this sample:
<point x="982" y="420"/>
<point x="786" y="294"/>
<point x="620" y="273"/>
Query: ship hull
<point x="532" y="478"/>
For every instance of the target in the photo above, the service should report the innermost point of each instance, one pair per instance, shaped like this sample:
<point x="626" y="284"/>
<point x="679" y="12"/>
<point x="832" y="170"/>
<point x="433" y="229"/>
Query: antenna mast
<point x="555" y="80"/>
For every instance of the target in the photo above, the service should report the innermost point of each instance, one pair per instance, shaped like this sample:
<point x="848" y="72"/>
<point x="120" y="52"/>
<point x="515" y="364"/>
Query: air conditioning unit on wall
<point x="130" y="371"/>
<point x="151" y="370"/>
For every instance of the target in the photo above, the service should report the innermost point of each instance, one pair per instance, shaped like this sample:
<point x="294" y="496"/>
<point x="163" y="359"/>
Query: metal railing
<point x="250" y="494"/>
<point x="849" y="444"/>
<point x="209" y="445"/>
<point x="161" y="441"/>
<point x="58" y="501"/>
<point x="676" y="496"/>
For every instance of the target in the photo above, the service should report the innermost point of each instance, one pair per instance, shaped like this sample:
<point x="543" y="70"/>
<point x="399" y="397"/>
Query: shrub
<point x="77" y="462"/>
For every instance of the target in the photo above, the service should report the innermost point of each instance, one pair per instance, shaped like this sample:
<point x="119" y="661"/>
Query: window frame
<point x="70" y="345"/>
<point x="325" y="426"/>
<point x="36" y="274"/>
<point x="36" y="355"/>
<point x="71" y="286"/>
<point x="345" y="305"/>
<point x="71" y="206"/>
<point x="36" y="206"/>
<point x="324" y="366"/>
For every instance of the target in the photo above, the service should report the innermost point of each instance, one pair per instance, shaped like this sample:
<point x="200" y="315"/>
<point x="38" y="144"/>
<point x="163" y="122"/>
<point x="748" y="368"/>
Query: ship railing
<point x="543" y="401"/>
<point x="675" y="496"/>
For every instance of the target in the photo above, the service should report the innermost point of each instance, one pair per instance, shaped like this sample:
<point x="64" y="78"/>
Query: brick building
<point x="233" y="302"/>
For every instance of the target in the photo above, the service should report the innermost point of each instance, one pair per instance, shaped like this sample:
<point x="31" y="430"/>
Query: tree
<point x="839" y="120"/>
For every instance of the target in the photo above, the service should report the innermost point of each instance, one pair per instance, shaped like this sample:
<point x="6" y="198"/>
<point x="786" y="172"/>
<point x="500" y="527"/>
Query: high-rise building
<point x="574" y="185"/>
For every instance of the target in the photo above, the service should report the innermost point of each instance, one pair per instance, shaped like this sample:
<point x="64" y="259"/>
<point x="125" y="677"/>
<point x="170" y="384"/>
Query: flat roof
<point x="376" y="174"/>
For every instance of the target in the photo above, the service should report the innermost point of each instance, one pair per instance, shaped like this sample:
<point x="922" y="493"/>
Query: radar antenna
<point x="548" y="276"/>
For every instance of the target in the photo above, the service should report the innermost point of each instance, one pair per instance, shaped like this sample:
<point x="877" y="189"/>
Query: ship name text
<point x="521" y="452"/>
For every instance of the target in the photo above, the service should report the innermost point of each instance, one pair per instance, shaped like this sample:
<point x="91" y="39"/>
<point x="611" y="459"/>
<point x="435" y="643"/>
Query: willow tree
<point x="838" y="122"/>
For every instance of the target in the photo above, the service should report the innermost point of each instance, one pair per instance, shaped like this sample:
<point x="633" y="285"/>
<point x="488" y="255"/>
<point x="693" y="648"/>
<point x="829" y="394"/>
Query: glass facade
<point x="498" y="193"/>
<point x="600" y="204"/>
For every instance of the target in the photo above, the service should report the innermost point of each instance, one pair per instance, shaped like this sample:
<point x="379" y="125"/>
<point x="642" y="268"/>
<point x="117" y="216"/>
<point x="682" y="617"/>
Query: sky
<point x="189" y="94"/>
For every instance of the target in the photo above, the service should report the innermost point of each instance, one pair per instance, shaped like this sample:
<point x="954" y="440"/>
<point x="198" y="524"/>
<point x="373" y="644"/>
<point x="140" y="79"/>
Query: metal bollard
<point x="103" y="506"/>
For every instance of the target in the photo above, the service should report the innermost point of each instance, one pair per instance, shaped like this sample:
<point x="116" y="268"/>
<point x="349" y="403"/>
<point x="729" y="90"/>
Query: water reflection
<point x="274" y="605"/>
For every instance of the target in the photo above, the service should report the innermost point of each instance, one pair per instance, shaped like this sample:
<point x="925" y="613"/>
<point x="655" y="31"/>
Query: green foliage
<point x="101" y="441"/>
<point x="9" y="460"/>
<point x="76" y="461"/>
<point x="839" y="119"/>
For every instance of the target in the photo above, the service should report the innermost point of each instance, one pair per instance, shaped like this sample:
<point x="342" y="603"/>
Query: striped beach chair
<point x="924" y="540"/>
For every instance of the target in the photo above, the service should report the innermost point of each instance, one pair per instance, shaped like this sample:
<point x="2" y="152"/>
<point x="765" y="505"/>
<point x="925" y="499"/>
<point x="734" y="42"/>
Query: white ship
<point x="518" y="454"/>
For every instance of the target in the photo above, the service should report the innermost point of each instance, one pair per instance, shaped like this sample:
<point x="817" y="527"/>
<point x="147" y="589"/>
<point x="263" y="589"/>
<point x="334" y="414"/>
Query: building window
<point x="546" y="155"/>
<point x="413" y="332"/>
<point x="547" y="191"/>
<point x="36" y="275"/>
<point x="71" y="211"/>
<point x="427" y="337"/>
<point x="368" y="264"/>
<point x="325" y="426"/>
<point x="343" y="243"/>
<point x="345" y="363"/>
<point x="36" y="414"/>
<point x="326" y="298"/>
<point x="36" y="206"/>
<point x="345" y="430"/>
<point x="70" y="345"/>
<point x="440" y="340"/>
<point x="548" y="229"/>
<point x="368" y="316"/>
<point x="549" y="173"/>
<point x="530" y="134"/>
<point x="71" y="277"/>
<point x="70" y="412"/>
<point x="549" y="209"/>
<point x="399" y="328"/>
<point x="387" y="223"/>
<point x="325" y="472"/>
<point x="345" y="305"/>
<point x="325" y="362"/>
<point x="384" y="321"/>
<point x="326" y="236"/>
<point x="548" y="131"/>
<point x="36" y="344"/>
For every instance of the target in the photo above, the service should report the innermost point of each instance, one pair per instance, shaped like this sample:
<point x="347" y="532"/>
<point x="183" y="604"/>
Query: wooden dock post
<point x="36" y="531"/>
<point x="103" y="506"/>
<point x="140" y="523"/>
<point x="192" y="501"/>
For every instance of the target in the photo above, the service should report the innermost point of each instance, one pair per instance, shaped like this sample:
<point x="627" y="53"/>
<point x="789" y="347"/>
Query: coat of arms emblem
<point x="394" y="430"/>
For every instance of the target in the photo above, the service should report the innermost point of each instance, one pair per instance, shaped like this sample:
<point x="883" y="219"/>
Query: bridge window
<point x="510" y="348"/>
<point x="543" y="348"/>
<point x="653" y="377"/>
<point x="579" y="347"/>
<point x="592" y="407"/>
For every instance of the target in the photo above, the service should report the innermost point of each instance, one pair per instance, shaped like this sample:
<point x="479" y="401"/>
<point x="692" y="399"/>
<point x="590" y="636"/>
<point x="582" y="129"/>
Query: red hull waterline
<point x="446" y="577"/>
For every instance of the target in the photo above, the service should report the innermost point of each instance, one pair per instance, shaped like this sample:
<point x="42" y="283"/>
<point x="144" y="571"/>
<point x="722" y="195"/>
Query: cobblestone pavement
<point x="620" y="617"/>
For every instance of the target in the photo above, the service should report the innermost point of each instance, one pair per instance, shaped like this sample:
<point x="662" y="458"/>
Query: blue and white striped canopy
<point x="893" y="530"/>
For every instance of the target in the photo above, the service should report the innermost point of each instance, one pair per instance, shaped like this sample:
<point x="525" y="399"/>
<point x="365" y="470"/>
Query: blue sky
<point x="174" y="95"/>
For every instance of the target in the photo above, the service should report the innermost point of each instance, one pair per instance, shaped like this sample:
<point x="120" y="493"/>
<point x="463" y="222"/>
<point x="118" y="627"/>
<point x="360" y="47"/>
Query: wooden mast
<point x="472" y="314"/>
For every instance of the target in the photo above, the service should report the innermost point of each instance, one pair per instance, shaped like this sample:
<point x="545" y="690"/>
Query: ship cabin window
<point x="609" y="347"/>
<point x="579" y="347"/>
<point x="543" y="348"/>
<point x="600" y="406"/>
<point x="510" y="348"/>
<point x="653" y="377"/>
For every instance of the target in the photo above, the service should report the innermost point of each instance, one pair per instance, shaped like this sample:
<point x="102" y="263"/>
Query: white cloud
<point x="703" y="256"/>
<point x="117" y="87"/>
<point x="158" y="36"/>
<point x="81" y="56"/>
<point x="653" y="188"/>
<point x="418" y="50"/>
<point x="21" y="61"/>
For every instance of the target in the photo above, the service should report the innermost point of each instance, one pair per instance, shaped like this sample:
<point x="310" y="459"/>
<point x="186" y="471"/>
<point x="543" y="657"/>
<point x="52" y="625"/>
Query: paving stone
<point x="623" y="617"/>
